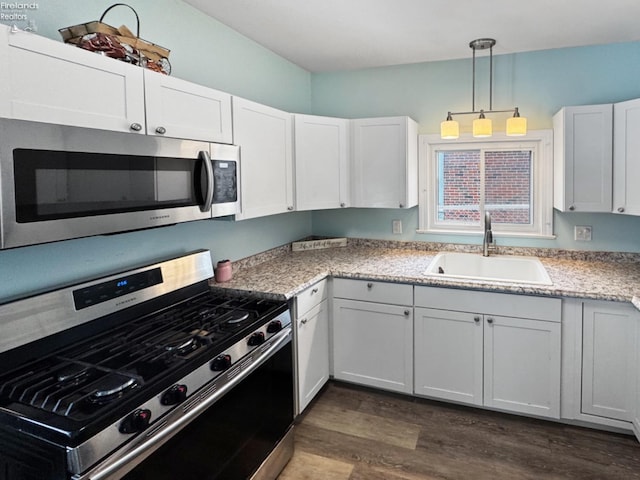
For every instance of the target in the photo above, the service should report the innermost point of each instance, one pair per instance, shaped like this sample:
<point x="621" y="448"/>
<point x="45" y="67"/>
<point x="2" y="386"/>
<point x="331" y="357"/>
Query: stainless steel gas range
<point x="145" y="374"/>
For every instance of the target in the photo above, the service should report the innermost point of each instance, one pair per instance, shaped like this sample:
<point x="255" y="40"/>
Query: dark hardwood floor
<point x="353" y="433"/>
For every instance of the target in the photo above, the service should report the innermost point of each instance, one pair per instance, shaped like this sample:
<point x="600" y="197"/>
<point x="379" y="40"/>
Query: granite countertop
<point x="282" y="274"/>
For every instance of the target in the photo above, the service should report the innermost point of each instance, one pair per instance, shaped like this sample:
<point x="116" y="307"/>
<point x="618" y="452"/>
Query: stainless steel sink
<point x="496" y="268"/>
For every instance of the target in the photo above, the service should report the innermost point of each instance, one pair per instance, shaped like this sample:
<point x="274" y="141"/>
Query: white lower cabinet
<point x="487" y="355"/>
<point x="448" y="355"/>
<point x="312" y="342"/>
<point x="373" y="342"/>
<point x="609" y="366"/>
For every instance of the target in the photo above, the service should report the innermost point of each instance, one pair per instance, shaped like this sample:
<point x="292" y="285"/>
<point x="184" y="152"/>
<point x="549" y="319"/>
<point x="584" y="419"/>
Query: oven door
<point x="242" y="429"/>
<point x="66" y="182"/>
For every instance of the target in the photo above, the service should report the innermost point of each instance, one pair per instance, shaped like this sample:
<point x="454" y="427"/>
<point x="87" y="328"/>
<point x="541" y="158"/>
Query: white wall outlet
<point x="582" y="233"/>
<point x="396" y="226"/>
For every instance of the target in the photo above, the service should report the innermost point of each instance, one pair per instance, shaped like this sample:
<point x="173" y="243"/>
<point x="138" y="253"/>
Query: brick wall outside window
<point x="507" y="186"/>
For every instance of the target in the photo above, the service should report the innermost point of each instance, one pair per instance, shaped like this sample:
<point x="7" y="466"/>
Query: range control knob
<point x="175" y="395"/>
<point x="274" y="326"/>
<point x="136" y="422"/>
<point x="220" y="363"/>
<point x="256" y="339"/>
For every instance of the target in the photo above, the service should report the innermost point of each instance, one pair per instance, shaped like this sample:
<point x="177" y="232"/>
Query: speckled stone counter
<point x="281" y="273"/>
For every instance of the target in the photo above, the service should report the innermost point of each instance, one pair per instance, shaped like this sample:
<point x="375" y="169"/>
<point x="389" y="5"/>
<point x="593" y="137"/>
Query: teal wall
<point x="206" y="52"/>
<point x="539" y="83"/>
<point x="202" y="51"/>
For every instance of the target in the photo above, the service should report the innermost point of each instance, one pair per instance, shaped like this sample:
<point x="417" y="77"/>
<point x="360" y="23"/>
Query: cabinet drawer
<point x="379" y="292"/>
<point x="311" y="297"/>
<point x="508" y="305"/>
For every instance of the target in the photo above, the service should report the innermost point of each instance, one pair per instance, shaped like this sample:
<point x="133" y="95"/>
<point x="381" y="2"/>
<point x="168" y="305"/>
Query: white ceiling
<point x="329" y="35"/>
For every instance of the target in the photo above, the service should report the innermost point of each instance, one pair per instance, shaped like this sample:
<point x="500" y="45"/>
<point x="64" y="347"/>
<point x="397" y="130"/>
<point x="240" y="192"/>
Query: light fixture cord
<point x="491" y="77"/>
<point x="473" y="82"/>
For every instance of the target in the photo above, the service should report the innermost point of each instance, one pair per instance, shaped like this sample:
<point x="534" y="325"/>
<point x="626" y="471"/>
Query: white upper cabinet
<point x="385" y="162"/>
<point x="321" y="162"/>
<point x="626" y="157"/>
<point x="265" y="138"/>
<point x="583" y="138"/>
<point x="180" y="109"/>
<point x="47" y="81"/>
<point x="51" y="82"/>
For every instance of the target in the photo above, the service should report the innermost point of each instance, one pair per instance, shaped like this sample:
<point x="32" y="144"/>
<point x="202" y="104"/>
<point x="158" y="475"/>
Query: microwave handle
<point x="208" y="195"/>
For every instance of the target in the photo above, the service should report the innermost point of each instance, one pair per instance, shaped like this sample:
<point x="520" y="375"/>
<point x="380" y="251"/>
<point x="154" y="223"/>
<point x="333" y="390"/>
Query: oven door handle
<point x="208" y="194"/>
<point x="134" y="453"/>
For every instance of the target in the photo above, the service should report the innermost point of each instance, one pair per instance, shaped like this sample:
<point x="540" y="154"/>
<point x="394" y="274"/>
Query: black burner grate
<point x="79" y="381"/>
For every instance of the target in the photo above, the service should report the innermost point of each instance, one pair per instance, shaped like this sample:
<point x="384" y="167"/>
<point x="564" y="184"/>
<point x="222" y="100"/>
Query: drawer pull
<point x="315" y="290"/>
<point x="407" y="312"/>
<point x="489" y="320"/>
<point x="369" y="285"/>
<point x="476" y="319"/>
<point x="304" y="321"/>
<point x="136" y="127"/>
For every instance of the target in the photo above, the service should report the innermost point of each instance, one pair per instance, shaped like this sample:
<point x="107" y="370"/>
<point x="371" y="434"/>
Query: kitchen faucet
<point x="488" y="243"/>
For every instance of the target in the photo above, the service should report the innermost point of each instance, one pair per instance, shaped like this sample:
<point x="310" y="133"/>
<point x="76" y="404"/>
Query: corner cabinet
<point x="84" y="89"/>
<point x="321" y="162"/>
<point x="265" y="138"/>
<point x="372" y="333"/>
<point x="480" y="348"/>
<point x="582" y="157"/>
<point x="626" y="155"/>
<point x="312" y="342"/>
<point x="385" y="162"/>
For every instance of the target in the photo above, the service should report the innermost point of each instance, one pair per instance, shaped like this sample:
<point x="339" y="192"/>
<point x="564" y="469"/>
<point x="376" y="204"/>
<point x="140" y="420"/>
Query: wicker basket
<point x="75" y="34"/>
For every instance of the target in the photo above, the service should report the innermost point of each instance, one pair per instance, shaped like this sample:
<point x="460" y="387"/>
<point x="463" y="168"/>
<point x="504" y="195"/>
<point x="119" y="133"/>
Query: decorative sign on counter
<point x="319" y="244"/>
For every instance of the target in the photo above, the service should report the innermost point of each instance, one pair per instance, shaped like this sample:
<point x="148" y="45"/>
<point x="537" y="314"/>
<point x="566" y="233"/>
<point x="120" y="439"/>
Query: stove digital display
<point x="95" y="294"/>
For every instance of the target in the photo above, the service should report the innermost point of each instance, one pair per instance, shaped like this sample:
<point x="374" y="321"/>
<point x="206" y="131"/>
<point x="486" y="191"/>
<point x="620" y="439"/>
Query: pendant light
<point x="482" y="126"/>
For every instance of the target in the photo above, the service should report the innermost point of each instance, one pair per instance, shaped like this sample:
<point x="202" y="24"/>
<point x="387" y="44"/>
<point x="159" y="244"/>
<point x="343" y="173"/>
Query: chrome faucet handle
<point x="487" y="221"/>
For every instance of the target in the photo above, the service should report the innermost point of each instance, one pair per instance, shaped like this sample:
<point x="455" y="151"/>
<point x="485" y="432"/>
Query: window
<point x="510" y="178"/>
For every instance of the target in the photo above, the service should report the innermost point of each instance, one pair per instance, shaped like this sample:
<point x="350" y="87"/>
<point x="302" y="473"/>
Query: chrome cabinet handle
<point x="476" y="319"/>
<point x="572" y="207"/>
<point x="489" y="320"/>
<point x="342" y="205"/>
<point x="407" y="312"/>
<point x="136" y="127"/>
<point x="290" y="208"/>
<point x="161" y="130"/>
<point x="402" y="205"/>
<point x="620" y="209"/>
<point x="304" y="321"/>
<point x="369" y="285"/>
<point x="315" y="290"/>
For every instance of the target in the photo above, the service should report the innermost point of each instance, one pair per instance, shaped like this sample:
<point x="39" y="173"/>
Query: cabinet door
<point x="583" y="158"/>
<point x="636" y="415"/>
<point x="522" y="365"/>
<point x="48" y="81"/>
<point x="265" y="139"/>
<point x="312" y="353"/>
<point x="626" y="152"/>
<point x="321" y="162"/>
<point x="385" y="162"/>
<point x="448" y="355"/>
<point x="608" y="360"/>
<point x="180" y="109"/>
<point x="373" y="344"/>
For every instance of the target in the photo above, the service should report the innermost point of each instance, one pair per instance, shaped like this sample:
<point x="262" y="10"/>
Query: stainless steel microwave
<point x="59" y="182"/>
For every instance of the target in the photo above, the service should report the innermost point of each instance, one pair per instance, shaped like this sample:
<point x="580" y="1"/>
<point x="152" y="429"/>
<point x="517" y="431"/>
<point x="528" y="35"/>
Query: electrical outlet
<point x="582" y="233"/>
<point x="396" y="226"/>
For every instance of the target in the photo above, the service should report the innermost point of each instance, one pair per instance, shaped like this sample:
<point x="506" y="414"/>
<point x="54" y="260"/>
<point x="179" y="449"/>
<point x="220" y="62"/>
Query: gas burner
<point x="72" y="374"/>
<point x="237" y="317"/>
<point x="111" y="387"/>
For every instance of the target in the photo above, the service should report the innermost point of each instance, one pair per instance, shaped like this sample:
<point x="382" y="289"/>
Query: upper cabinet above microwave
<point x="48" y="81"/>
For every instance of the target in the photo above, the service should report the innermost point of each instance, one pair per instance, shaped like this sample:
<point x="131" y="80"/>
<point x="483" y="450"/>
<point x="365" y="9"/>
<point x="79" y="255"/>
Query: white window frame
<point x="541" y="144"/>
